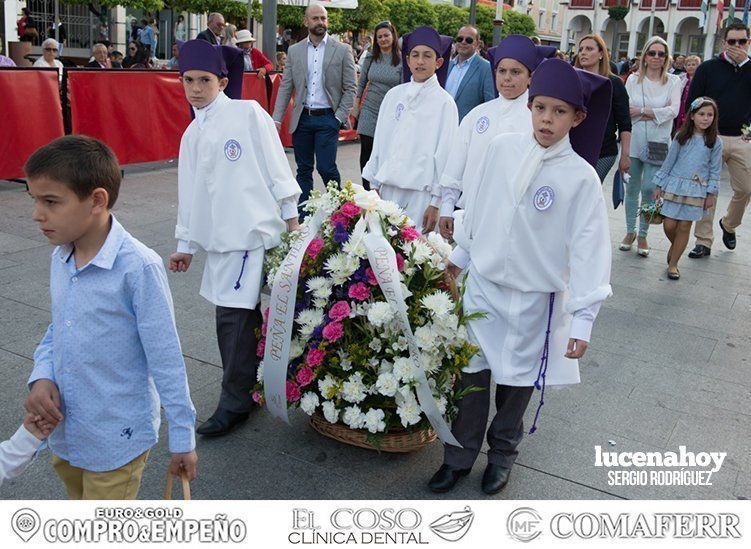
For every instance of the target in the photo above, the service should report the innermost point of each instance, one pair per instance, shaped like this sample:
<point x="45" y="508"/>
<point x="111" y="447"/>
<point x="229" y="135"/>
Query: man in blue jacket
<point x="470" y="79"/>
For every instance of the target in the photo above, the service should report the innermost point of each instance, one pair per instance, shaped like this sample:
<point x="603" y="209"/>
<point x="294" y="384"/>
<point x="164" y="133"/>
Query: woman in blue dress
<point x="688" y="179"/>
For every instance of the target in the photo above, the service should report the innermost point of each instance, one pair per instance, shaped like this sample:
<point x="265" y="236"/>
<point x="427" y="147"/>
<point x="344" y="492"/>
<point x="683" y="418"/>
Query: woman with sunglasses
<point x="137" y="57"/>
<point x="655" y="99"/>
<point x="381" y="71"/>
<point x="50" y="51"/>
<point x="592" y="56"/>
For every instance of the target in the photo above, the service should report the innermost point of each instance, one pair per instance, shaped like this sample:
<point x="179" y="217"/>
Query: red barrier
<point x="255" y="88"/>
<point x="141" y="115"/>
<point x="31" y="116"/>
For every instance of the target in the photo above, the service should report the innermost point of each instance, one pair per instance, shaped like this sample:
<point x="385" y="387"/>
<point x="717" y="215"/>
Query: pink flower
<point x="261" y="349"/>
<point x="339" y="311"/>
<point x="293" y="391"/>
<point x="314" y="247"/>
<point x="339" y="217"/>
<point x="371" y="277"/>
<point x="350" y="210"/>
<point x="266" y="315"/>
<point x="305" y="375"/>
<point x="410" y="233"/>
<point x="359" y="291"/>
<point x="257" y="397"/>
<point x="399" y="262"/>
<point x="315" y="357"/>
<point x="333" y="331"/>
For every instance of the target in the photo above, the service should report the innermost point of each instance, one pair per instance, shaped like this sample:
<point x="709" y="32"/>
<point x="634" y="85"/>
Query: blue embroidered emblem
<point x="399" y="110"/>
<point x="544" y="198"/>
<point x="483" y="123"/>
<point x="127" y="432"/>
<point x="232" y="150"/>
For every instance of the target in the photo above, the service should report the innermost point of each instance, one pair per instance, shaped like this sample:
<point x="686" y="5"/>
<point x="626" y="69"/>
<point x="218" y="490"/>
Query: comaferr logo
<point x="644" y="525"/>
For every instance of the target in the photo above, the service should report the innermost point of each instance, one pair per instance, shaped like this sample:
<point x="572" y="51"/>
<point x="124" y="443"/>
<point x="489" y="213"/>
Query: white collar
<point x="323" y="40"/>
<point x="203" y="112"/>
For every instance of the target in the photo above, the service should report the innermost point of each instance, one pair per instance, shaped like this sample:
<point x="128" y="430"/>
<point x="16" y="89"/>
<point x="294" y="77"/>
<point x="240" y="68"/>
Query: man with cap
<point x="236" y="196"/>
<point x="513" y="62"/>
<point x="535" y="237"/>
<point x="416" y="126"/>
<point x="253" y="58"/>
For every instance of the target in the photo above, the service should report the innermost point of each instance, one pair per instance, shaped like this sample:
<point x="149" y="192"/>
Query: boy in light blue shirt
<point x="111" y="355"/>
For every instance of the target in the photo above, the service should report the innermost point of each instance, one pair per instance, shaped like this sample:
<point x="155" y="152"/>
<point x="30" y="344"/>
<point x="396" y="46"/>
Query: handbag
<point x="654" y="152"/>
<point x="185" y="484"/>
<point x="618" y="190"/>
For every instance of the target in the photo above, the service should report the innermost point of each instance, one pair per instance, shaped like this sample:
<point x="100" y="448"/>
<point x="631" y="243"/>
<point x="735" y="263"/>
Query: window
<point x="540" y="19"/>
<point x="553" y="21"/>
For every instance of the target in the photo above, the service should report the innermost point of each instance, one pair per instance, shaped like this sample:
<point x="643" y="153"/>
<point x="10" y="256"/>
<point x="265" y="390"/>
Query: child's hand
<point x="293" y="225"/>
<point x="179" y="262"/>
<point x="32" y="424"/>
<point x="446" y="226"/>
<point x="656" y="194"/>
<point x="44" y="401"/>
<point x="452" y="270"/>
<point x="709" y="202"/>
<point x="429" y="219"/>
<point x="186" y="462"/>
<point x="576" y="348"/>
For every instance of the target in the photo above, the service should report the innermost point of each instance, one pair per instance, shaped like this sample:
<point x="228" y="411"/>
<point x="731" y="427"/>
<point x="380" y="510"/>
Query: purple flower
<point x="340" y="234"/>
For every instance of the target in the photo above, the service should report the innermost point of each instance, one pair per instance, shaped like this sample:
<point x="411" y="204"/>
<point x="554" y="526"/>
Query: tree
<point x="406" y="15"/>
<point x="367" y="15"/>
<point x="484" y="22"/>
<point x="450" y="18"/>
<point x="517" y="23"/>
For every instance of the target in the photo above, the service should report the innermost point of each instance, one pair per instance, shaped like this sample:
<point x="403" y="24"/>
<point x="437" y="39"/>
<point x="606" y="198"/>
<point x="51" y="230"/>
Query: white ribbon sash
<point x="281" y="317"/>
<point x="382" y="260"/>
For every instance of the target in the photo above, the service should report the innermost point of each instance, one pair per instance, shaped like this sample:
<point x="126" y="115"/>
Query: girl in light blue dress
<point x="688" y="179"/>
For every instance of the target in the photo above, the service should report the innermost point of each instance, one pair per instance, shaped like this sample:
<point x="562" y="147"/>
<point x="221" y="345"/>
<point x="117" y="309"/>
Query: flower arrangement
<point x="650" y="211"/>
<point x="349" y="360"/>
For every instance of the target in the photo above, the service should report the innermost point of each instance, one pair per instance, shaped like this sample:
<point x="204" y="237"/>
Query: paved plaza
<point x="668" y="366"/>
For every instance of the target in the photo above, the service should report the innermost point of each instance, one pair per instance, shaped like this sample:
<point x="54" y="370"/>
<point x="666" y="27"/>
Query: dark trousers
<point x="505" y="431"/>
<point x="366" y="149"/>
<point x="316" y="137"/>
<point x="236" y="334"/>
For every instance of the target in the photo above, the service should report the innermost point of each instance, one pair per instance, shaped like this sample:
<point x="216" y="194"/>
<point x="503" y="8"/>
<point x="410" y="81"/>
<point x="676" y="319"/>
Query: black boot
<point x="495" y="478"/>
<point x="446" y="478"/>
<point x="221" y="423"/>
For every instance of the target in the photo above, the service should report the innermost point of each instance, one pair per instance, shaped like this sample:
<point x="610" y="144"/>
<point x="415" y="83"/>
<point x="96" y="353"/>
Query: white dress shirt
<point x="316" y="96"/>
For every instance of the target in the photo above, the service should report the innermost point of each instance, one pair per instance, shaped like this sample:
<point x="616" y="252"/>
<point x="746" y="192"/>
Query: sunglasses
<point x="465" y="39"/>
<point x="737" y="41"/>
<point x="383" y="25"/>
<point x="50" y="49"/>
<point x="655" y="53"/>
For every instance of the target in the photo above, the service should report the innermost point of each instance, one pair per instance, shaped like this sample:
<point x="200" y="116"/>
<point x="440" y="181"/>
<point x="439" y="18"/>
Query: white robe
<point x="475" y="133"/>
<point x="416" y="126"/>
<point x="523" y="245"/>
<point x="235" y="189"/>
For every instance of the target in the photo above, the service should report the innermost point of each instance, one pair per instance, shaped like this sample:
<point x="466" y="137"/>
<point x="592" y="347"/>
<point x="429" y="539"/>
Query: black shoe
<point x="221" y="423"/>
<point x="446" y="478"/>
<point x="699" y="251"/>
<point x="728" y="238"/>
<point x="495" y="478"/>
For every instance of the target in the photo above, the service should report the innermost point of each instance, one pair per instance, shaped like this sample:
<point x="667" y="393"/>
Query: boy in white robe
<point x="235" y="192"/>
<point x="513" y="62"/>
<point x="416" y="125"/>
<point x="535" y="236"/>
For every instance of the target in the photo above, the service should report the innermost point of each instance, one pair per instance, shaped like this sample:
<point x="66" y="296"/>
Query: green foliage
<point x="406" y="15"/>
<point x="147" y="5"/>
<point x="517" y="23"/>
<point x="618" y="13"/>
<point x="450" y="18"/>
<point x="484" y="22"/>
<point x="367" y="15"/>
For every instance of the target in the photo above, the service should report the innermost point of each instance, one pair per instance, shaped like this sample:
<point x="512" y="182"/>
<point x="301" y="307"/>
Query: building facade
<point x="677" y="21"/>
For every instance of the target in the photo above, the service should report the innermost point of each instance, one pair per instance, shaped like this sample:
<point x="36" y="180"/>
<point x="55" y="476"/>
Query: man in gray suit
<point x="321" y="73"/>
<point x="470" y="78"/>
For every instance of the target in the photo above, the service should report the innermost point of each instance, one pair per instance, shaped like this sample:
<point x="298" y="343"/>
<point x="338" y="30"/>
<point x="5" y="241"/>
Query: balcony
<point x="660" y="4"/>
<point x="689" y="4"/>
<point x="581" y="4"/>
<point x="616" y="3"/>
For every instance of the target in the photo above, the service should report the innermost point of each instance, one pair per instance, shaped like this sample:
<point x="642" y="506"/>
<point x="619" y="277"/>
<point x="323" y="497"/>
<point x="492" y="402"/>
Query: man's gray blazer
<point x="338" y="81"/>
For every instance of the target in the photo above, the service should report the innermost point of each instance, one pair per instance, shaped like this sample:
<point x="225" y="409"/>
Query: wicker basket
<point x="401" y="441"/>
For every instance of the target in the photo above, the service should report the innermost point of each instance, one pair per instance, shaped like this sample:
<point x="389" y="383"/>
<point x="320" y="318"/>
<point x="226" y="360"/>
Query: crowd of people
<point x="504" y="156"/>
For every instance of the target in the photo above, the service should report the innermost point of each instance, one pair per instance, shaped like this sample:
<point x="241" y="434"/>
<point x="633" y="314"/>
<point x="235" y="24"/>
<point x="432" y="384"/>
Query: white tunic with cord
<point x="235" y="189"/>
<point x="417" y="122"/>
<point x="476" y="131"/>
<point x="535" y="225"/>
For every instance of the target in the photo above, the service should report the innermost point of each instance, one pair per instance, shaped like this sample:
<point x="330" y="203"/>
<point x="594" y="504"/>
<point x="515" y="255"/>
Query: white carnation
<point x="438" y="303"/>
<point x="296" y="348"/>
<point x="429" y="362"/>
<point x="373" y="421"/>
<point x="439" y="244"/>
<point x="408" y="409"/>
<point x="330" y="412"/>
<point x="309" y="403"/>
<point x="405" y="369"/>
<point x="441" y="404"/>
<point x="259" y="372"/>
<point x="353" y="417"/>
<point x="353" y="390"/>
<point x="328" y="387"/>
<point x="426" y="337"/>
<point x="387" y="384"/>
<point x="380" y="313"/>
